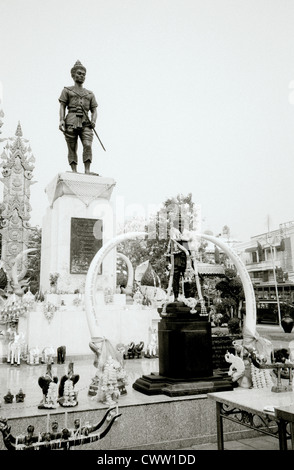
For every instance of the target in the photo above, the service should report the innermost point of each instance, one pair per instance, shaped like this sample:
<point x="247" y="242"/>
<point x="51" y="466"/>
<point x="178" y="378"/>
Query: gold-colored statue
<point x="77" y="124"/>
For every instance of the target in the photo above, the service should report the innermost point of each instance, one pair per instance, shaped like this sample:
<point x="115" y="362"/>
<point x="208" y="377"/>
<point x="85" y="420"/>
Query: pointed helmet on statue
<point x="78" y="65"/>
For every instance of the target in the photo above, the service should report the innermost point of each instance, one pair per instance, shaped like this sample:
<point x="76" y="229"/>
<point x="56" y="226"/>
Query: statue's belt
<point x="78" y="112"/>
<point x="81" y="121"/>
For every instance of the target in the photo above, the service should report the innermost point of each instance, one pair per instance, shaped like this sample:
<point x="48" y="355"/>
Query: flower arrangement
<point x="50" y="400"/>
<point x="108" y="391"/>
<point x="216" y="318"/>
<point x="110" y="379"/>
<point x="12" y="312"/>
<point x="77" y="301"/>
<point x="53" y="278"/>
<point x="69" y="394"/>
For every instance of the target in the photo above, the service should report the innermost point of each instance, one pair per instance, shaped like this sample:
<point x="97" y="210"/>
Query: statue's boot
<point x="74" y="167"/>
<point x="87" y="167"/>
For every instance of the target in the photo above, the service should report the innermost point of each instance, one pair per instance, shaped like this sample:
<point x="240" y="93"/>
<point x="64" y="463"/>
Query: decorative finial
<point x="18" y="132"/>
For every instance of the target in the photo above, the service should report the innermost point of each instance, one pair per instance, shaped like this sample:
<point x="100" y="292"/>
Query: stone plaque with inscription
<point x="85" y="241"/>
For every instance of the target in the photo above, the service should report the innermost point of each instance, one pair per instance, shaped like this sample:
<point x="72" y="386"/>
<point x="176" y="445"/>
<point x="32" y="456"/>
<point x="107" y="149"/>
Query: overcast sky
<point x="194" y="96"/>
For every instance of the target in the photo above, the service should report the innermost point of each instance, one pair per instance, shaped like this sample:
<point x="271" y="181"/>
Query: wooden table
<point x="247" y="407"/>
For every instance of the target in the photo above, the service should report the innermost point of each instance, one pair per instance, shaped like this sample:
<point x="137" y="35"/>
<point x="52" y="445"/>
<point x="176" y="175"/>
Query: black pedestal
<point x="155" y="384"/>
<point x="185" y="358"/>
<point x="185" y="349"/>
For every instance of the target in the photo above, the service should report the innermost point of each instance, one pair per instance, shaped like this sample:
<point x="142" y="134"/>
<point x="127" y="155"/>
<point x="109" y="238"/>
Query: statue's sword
<point x="92" y="127"/>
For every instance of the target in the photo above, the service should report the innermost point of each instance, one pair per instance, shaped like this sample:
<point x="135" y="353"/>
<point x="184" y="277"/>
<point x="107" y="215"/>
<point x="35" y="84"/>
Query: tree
<point x="140" y="250"/>
<point x="232" y="293"/>
<point x="155" y="245"/>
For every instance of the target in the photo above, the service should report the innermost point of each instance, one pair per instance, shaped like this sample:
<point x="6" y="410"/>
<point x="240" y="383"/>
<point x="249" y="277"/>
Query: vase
<point x="287" y="323"/>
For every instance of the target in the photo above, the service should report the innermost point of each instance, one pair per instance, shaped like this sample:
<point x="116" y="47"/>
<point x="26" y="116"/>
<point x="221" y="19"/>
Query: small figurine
<point x="48" y="355"/>
<point x="34" y="356"/>
<point x="66" y="393"/>
<point x="130" y="351"/>
<point x="93" y="388"/>
<point x="138" y="349"/>
<point x="48" y="384"/>
<point x="8" y="398"/>
<point x="121" y="348"/>
<point x="55" y="434"/>
<point x="152" y="346"/>
<point x="61" y="352"/>
<point x="30" y="438"/>
<point x="14" y="347"/>
<point x="20" y="396"/>
<point x="237" y="367"/>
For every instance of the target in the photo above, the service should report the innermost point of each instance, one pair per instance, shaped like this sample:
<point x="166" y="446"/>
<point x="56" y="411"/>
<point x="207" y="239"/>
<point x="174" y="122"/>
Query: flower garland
<point x="108" y="391"/>
<point x="53" y="278"/>
<point x="69" y="394"/>
<point x="49" y="309"/>
<point x="77" y="301"/>
<point x="50" y="400"/>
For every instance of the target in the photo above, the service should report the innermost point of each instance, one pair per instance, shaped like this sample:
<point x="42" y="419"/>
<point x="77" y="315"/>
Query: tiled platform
<point x="26" y="377"/>
<point x="156" y="422"/>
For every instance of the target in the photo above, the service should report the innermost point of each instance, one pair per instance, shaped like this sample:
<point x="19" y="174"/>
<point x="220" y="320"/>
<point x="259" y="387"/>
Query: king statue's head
<point x="77" y="66"/>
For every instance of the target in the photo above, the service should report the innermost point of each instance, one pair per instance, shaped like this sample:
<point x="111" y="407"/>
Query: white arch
<point x="250" y="319"/>
<point x="91" y="281"/>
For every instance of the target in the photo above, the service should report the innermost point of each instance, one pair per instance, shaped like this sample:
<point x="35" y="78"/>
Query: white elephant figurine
<point x="48" y="355"/>
<point x="34" y="356"/>
<point x="152" y="346"/>
<point x="14" y="348"/>
<point x="238" y="370"/>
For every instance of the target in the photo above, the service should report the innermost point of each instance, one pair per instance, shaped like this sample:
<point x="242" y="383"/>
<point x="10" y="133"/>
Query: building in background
<point x="268" y="258"/>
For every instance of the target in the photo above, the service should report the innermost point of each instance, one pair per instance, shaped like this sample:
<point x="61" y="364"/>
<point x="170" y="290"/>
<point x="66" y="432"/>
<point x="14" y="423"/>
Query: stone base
<point x="155" y="384"/>
<point x="76" y="199"/>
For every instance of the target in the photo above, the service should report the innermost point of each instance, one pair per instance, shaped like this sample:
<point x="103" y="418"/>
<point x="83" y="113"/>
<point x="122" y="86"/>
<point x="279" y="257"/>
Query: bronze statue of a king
<point x="77" y="123"/>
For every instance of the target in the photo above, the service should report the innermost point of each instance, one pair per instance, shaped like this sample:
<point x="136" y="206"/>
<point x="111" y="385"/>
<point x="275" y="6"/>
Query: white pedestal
<point x="69" y="327"/>
<point x="75" y="195"/>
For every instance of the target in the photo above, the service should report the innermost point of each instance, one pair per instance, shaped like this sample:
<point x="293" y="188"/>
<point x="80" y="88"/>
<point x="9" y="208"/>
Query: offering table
<point x="259" y="409"/>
